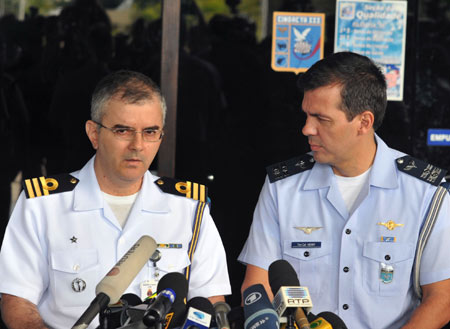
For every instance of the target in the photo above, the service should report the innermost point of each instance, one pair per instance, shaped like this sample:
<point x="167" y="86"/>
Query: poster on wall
<point x="376" y="29"/>
<point x="297" y="41"/>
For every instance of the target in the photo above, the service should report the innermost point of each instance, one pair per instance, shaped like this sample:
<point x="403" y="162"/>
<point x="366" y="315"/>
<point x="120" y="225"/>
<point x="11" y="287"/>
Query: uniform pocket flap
<point x="388" y="252"/>
<point x="306" y="250"/>
<point x="74" y="261"/>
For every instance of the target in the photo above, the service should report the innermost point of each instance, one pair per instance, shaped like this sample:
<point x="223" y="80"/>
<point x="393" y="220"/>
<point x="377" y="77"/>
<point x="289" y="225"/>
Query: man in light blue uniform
<point x="67" y="231"/>
<point x="347" y="216"/>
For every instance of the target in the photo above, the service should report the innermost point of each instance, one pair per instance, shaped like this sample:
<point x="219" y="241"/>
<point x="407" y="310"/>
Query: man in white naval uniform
<point x="347" y="217"/>
<point x="67" y="231"/>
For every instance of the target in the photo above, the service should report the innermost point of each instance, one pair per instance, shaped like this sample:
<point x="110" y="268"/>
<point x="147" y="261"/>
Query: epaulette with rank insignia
<point x="420" y="169"/>
<point x="187" y="189"/>
<point x="290" y="167"/>
<point x="35" y="187"/>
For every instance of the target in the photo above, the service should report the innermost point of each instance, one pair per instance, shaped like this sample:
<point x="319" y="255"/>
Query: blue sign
<point x="376" y="29"/>
<point x="438" y="137"/>
<point x="298" y="40"/>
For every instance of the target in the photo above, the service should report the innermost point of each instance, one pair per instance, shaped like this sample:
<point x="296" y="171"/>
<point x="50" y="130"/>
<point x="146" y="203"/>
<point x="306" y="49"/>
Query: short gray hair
<point x="128" y="86"/>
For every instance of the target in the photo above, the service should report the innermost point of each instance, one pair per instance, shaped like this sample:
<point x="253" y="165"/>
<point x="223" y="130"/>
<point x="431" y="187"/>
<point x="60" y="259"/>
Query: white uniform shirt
<point x="342" y="264"/>
<point x="55" y="239"/>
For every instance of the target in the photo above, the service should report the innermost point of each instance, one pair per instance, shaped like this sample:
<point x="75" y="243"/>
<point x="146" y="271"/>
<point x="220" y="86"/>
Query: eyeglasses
<point x="128" y="133"/>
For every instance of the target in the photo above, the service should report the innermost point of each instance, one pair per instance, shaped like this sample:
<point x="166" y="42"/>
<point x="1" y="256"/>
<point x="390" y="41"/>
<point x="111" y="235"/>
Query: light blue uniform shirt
<point x="39" y="260"/>
<point x="345" y="265"/>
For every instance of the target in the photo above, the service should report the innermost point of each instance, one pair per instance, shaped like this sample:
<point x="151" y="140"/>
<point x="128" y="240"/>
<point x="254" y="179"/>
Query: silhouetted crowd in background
<point x="235" y="115"/>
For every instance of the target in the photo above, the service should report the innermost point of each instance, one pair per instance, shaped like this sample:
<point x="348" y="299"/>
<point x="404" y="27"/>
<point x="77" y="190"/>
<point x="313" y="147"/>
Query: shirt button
<point x="345" y="307"/>
<point x="387" y="257"/>
<point x="76" y="267"/>
<point x="346" y="269"/>
<point x="348" y="231"/>
<point x="306" y="254"/>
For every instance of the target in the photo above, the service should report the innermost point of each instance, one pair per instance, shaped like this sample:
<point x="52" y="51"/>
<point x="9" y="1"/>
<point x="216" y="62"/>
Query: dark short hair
<point x="363" y="83"/>
<point x="128" y="86"/>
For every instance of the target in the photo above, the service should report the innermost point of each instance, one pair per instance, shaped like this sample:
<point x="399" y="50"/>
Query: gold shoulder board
<point x="186" y="189"/>
<point x="35" y="187"/>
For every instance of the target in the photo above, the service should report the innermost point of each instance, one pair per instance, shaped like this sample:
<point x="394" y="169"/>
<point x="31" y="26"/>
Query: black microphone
<point x="222" y="309"/>
<point x="162" y="311"/>
<point x="174" y="281"/>
<point x="236" y="317"/>
<point x="328" y="320"/>
<point x="258" y="310"/>
<point x="289" y="296"/>
<point x="199" y="314"/>
<point x="157" y="311"/>
<point x="116" y="315"/>
<point x="111" y="287"/>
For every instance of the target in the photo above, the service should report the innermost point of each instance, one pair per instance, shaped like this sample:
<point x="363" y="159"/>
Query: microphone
<point x="328" y="320"/>
<point x="199" y="315"/>
<point x="111" y="287"/>
<point x="159" y="310"/>
<point x="115" y="315"/>
<point x="289" y="296"/>
<point x="236" y="317"/>
<point x="222" y="309"/>
<point x="258" y="311"/>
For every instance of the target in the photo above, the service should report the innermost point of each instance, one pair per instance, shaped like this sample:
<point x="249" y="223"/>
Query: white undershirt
<point x="353" y="189"/>
<point x="120" y="205"/>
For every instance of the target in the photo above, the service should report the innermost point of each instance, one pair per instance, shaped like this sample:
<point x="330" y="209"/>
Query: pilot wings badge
<point x="308" y="229"/>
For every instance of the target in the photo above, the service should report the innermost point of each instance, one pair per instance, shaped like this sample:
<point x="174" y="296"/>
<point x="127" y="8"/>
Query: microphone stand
<point x="290" y="322"/>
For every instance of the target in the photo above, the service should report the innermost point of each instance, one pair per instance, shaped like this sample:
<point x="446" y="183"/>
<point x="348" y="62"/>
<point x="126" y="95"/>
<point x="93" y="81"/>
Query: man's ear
<point x="92" y="133"/>
<point x="366" y="122"/>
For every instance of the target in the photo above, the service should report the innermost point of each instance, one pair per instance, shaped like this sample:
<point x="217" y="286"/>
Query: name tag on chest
<point x="306" y="244"/>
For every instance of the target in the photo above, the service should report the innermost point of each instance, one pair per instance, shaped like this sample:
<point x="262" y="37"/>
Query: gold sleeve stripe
<point x="44" y="185"/>
<point x="29" y="188"/>
<point x="195" y="196"/>
<point x="36" y="187"/>
<point x="202" y="193"/>
<point x="198" y="223"/>
<point x="188" y="189"/>
<point x="195" y="235"/>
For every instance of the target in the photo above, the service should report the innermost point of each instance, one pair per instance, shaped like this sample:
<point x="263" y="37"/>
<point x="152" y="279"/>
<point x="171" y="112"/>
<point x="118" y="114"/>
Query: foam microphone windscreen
<point x="179" y="284"/>
<point x="202" y="304"/>
<point x="335" y="321"/>
<point x="281" y="274"/>
<point x="175" y="281"/>
<point x="258" y="310"/>
<point x="236" y="317"/>
<point x="123" y="273"/>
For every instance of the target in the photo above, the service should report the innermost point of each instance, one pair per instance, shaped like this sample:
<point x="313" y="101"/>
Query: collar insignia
<point x="307" y="229"/>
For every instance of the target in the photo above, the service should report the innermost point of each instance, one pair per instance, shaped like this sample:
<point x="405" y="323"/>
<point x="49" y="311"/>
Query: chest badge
<point x="386" y="273"/>
<point x="74" y="239"/>
<point x="390" y="225"/>
<point x="78" y="285"/>
<point x="308" y="229"/>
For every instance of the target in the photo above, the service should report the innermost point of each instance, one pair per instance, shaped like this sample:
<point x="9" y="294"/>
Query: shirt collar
<point x="88" y="196"/>
<point x="383" y="173"/>
<point x="151" y="198"/>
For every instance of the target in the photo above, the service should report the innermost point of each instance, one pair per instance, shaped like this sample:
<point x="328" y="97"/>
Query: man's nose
<point x="309" y="129"/>
<point x="137" y="142"/>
